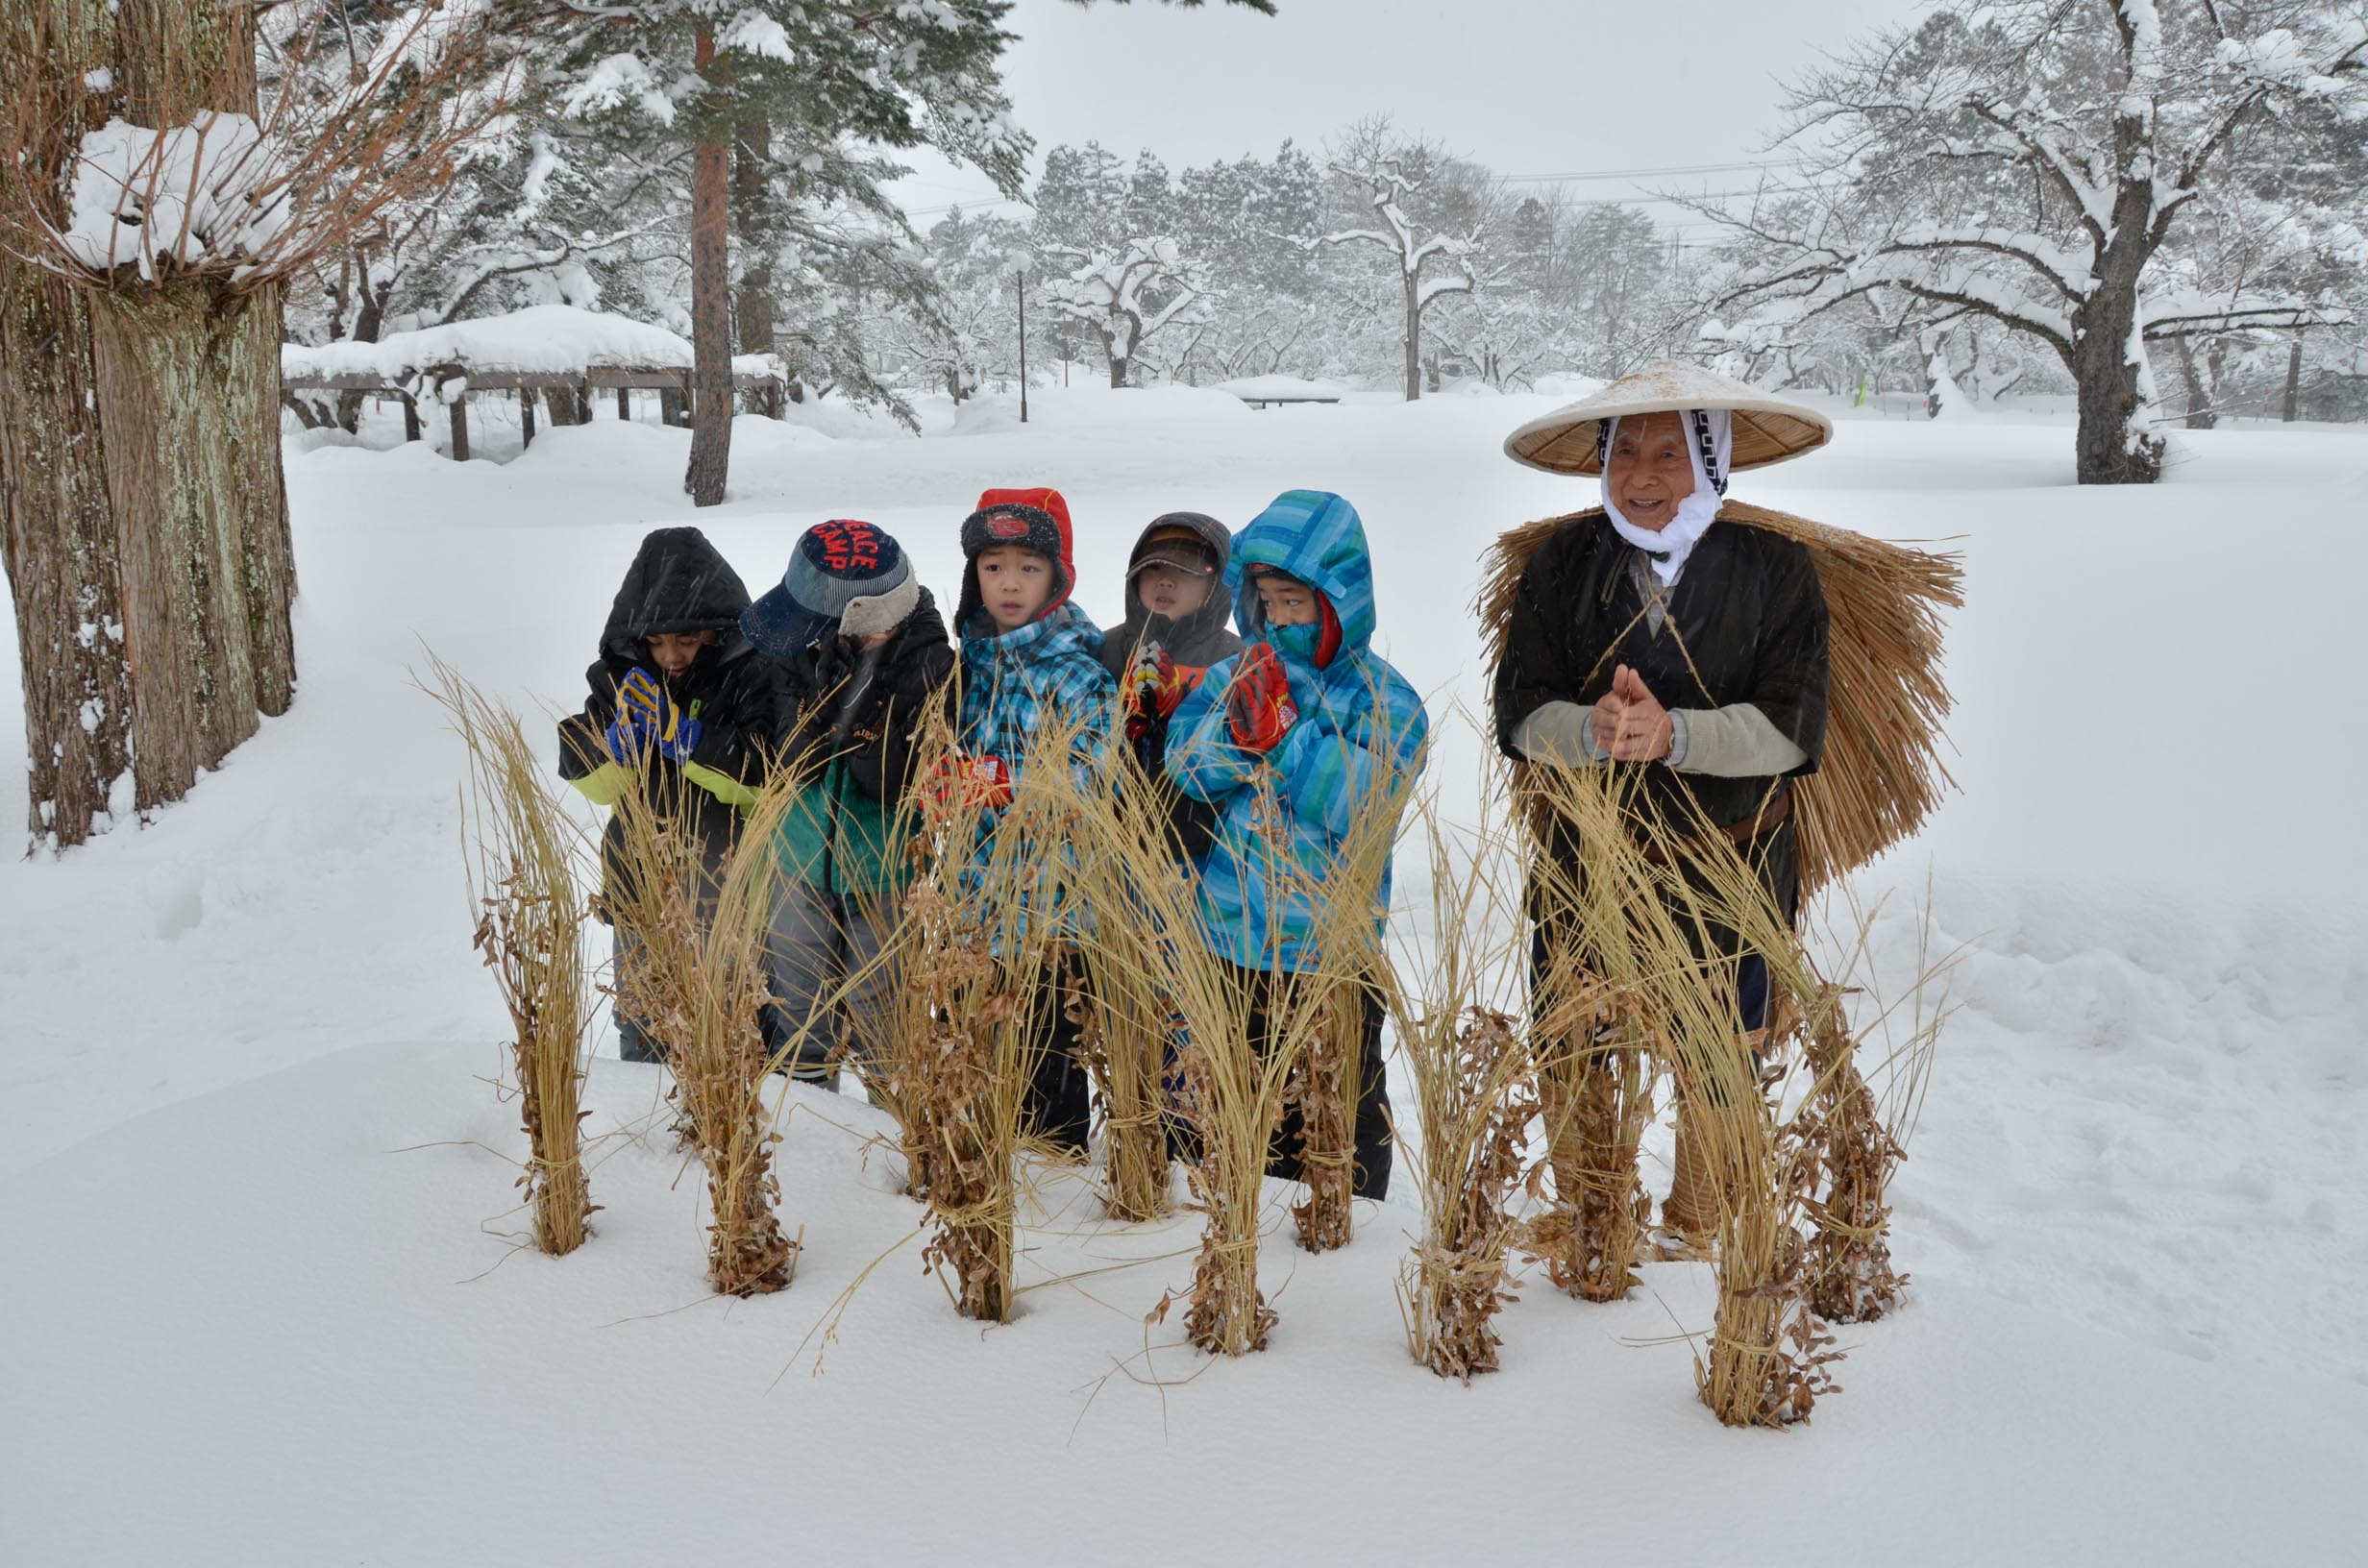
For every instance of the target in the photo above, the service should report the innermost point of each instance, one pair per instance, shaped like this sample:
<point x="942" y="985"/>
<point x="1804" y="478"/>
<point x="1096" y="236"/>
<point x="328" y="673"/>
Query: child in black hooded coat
<point x="680" y="708"/>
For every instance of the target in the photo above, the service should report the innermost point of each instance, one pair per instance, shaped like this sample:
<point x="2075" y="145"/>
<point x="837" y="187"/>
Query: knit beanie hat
<point x="845" y="578"/>
<point x="1036" y="520"/>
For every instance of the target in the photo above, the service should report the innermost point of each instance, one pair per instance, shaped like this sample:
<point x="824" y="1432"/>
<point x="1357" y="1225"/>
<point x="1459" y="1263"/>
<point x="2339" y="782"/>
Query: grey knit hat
<point x="845" y="578"/>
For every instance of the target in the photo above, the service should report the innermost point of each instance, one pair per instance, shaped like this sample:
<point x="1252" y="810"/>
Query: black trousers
<point x="1059" y="1105"/>
<point x="1374" y="1152"/>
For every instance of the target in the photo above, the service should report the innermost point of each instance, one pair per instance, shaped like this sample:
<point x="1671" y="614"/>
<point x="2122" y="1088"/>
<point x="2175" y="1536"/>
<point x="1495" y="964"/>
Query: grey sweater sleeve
<point x="1561" y="734"/>
<point x="1734" y="742"/>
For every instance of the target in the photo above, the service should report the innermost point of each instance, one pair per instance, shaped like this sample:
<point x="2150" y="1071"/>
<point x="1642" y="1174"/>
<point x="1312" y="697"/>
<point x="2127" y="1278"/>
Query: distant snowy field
<point x="251" y="1304"/>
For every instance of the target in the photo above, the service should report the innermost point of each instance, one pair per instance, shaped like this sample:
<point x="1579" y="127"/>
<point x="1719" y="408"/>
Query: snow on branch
<point x="1129" y="293"/>
<point x="210" y="192"/>
<point x="246" y="196"/>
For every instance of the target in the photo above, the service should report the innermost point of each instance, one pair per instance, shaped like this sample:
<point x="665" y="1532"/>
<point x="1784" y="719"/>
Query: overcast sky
<point x="1529" y="87"/>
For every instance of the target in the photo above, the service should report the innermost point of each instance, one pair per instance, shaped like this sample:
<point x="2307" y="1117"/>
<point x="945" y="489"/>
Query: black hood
<point x="677" y="582"/>
<point x="1198" y="639"/>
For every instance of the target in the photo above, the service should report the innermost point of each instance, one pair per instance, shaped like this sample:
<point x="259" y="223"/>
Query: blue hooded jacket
<point x="1360" y="729"/>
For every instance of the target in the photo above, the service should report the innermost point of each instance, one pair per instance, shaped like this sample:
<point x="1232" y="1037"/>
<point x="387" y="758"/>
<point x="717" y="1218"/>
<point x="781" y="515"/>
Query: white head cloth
<point x="1711" y="445"/>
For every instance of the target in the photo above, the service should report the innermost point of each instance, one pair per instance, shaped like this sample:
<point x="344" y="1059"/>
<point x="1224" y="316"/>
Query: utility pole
<point x="1020" y="272"/>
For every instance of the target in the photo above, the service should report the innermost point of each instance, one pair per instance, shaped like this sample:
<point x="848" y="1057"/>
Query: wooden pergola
<point x="438" y="364"/>
<point x="669" y="385"/>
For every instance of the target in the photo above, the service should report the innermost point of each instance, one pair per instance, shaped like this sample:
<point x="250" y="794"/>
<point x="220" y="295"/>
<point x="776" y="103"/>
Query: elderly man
<point x="1654" y="635"/>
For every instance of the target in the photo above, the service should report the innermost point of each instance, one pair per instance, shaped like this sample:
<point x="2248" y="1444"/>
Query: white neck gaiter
<point x="1710" y="444"/>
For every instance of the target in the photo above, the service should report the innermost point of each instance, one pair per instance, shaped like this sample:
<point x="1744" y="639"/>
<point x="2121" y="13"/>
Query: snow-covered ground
<point x="261" y="1304"/>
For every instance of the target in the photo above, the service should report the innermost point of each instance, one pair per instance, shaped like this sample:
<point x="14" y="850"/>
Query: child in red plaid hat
<point x="1029" y="658"/>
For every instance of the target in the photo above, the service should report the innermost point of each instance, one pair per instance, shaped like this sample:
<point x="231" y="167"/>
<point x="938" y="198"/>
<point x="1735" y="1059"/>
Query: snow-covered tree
<point x="1128" y="294"/>
<point x="153" y="213"/>
<point x="2030" y="160"/>
<point x="1250" y="222"/>
<point x="1427" y="234"/>
<point x="970" y="330"/>
<point x="703" y="78"/>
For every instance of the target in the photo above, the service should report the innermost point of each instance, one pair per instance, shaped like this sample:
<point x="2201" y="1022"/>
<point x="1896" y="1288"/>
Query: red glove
<point x="972" y="782"/>
<point x="1259" y="700"/>
<point x="1154" y="687"/>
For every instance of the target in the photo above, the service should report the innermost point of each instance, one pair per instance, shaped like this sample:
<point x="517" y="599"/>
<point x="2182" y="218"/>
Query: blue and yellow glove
<point x="647" y="722"/>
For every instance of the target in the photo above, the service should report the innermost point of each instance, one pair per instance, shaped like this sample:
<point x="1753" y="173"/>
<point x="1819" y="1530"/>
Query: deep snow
<point x="242" y="1327"/>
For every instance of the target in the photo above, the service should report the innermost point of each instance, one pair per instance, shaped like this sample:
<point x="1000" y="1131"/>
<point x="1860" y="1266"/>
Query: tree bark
<point x="57" y="538"/>
<point x="1414" y="339"/>
<point x="1118" y="370"/>
<point x="59" y="529"/>
<point x="2293" y="381"/>
<point x="368" y="322"/>
<point x="188" y="378"/>
<point x="2201" y="415"/>
<point x="2113" y="445"/>
<point x="752" y="170"/>
<point x="712" y="407"/>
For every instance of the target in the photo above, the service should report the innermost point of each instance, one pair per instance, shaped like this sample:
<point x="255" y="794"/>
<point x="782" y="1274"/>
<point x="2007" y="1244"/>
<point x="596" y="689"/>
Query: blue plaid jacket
<point x="1360" y="729"/>
<point x="1011" y="684"/>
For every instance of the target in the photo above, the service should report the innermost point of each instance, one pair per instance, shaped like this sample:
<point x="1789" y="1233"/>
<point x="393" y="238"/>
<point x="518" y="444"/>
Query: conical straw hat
<point x="1766" y="429"/>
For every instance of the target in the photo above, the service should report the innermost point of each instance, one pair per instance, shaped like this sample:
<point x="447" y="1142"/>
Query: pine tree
<point x="704" y="78"/>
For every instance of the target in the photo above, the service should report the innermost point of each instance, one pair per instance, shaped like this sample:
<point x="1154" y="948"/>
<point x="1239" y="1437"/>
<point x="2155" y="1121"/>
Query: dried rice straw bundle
<point x="1129" y="1021"/>
<point x="1851" y="1276"/>
<point x="1650" y="897"/>
<point x="697" y="978"/>
<point x="983" y="930"/>
<point x="1475" y="1087"/>
<point x="1882" y="773"/>
<point x="1595" y="1087"/>
<point x="1150" y="959"/>
<point x="525" y="884"/>
<point x="1317" y="1010"/>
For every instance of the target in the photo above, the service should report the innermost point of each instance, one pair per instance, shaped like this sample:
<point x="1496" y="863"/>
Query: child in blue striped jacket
<point x="1029" y="656"/>
<point x="1308" y="711"/>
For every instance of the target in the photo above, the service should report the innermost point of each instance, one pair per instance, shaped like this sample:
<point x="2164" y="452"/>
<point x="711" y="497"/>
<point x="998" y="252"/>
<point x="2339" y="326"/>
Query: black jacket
<point x="909" y="674"/>
<point x="1192" y="643"/>
<point x="678" y="583"/>
<point x="1747" y="623"/>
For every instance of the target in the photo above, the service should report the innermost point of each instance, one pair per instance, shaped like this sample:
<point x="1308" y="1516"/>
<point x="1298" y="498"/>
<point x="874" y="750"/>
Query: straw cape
<point x="1881" y="772"/>
<point x="1766" y="429"/>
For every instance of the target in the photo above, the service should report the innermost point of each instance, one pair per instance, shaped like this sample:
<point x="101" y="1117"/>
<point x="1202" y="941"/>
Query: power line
<point x="1573" y="176"/>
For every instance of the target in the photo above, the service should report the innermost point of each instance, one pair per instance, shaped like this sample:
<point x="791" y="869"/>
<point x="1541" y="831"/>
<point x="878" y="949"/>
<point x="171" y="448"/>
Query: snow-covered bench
<point x="546" y="348"/>
<point x="1261" y="391"/>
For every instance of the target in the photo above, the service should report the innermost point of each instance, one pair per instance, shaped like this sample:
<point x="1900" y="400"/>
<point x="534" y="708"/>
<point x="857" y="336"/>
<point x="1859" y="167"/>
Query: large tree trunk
<point x="752" y="198"/>
<point x="1414" y="339"/>
<point x="1119" y="364"/>
<point x="187" y="372"/>
<point x="2201" y="415"/>
<point x="712" y="407"/>
<point x="188" y="380"/>
<point x="58" y="532"/>
<point x="368" y="322"/>
<point x="56" y="523"/>
<point x="2115" y="445"/>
